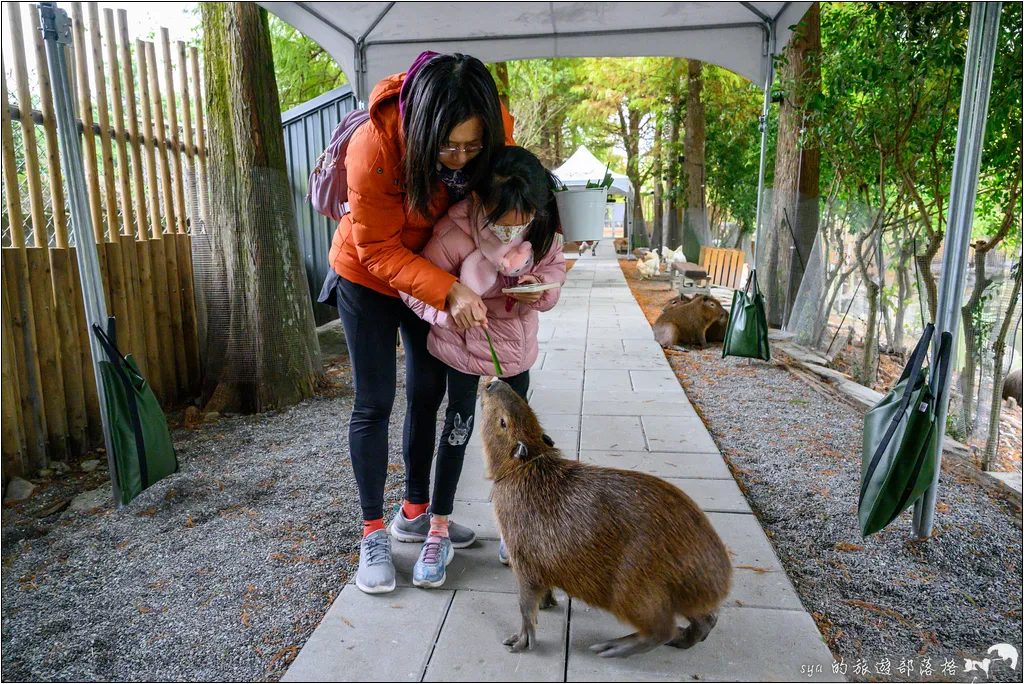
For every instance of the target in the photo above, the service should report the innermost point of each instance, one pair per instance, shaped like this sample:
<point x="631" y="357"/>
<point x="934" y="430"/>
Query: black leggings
<point x="458" y="426"/>
<point x="372" y="321"/>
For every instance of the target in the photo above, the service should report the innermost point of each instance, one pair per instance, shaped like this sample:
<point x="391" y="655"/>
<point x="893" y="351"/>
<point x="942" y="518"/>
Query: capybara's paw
<point x="623" y="646"/>
<point x="548" y="601"/>
<point x="520" y="641"/>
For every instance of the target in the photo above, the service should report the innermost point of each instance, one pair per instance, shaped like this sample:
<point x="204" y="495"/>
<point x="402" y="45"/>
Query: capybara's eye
<point x="503" y="425"/>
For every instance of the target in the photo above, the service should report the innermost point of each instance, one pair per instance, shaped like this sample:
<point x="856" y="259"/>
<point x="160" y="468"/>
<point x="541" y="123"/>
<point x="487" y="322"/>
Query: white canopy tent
<point x="371" y="40"/>
<point x="583" y="166"/>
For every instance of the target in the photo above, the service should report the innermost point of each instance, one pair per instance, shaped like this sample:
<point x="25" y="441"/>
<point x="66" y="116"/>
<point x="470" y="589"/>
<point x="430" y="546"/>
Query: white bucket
<point x="581" y="212"/>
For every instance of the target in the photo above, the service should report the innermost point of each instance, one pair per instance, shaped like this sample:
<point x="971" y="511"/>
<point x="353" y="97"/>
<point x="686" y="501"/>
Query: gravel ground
<point x="219" y="572"/>
<point x="796" y="455"/>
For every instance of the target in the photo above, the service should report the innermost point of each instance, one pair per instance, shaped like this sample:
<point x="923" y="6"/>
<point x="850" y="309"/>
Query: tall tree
<point x="263" y="350"/>
<point x="695" y="229"/>
<point x="792" y="223"/>
<point x="304" y="70"/>
<point x="657" y="219"/>
<point x="673" y="195"/>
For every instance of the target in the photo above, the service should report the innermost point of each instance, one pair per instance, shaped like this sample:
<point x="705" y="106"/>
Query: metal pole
<point x="56" y="28"/>
<point x="769" y="78"/>
<point x="970" y="137"/>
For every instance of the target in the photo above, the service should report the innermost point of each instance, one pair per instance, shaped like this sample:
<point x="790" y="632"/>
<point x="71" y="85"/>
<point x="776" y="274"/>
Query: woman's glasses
<point x="469" y="150"/>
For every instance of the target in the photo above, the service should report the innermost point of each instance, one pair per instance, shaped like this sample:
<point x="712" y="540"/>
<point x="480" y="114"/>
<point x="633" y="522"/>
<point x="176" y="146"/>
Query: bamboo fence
<point x="146" y="179"/>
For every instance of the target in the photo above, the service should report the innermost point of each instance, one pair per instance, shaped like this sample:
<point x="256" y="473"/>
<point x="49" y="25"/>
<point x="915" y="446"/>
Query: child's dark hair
<point x="519" y="182"/>
<point x="446" y="91"/>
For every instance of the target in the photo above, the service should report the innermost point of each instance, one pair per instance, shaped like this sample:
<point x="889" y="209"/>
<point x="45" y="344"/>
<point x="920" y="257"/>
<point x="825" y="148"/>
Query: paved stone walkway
<point x="605" y="393"/>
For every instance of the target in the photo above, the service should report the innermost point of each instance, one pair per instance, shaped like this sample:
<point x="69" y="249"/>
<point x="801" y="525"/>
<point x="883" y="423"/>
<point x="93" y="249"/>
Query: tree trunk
<point x="657" y="232"/>
<point x="629" y="122"/>
<point x="695" y="232"/>
<point x="793" y="220"/>
<point x="924" y="267"/>
<point x="673" y="228"/>
<point x="902" y="299"/>
<point x="501" y="80"/>
<point x="262" y="348"/>
<point x="998" y="350"/>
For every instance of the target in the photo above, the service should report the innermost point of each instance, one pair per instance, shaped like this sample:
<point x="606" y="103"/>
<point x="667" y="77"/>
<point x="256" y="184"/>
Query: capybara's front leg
<point x="529" y="598"/>
<point x="696" y="632"/>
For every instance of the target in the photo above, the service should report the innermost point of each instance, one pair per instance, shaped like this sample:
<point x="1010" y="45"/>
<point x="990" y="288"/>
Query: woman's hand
<point x="466" y="307"/>
<point x="528" y="297"/>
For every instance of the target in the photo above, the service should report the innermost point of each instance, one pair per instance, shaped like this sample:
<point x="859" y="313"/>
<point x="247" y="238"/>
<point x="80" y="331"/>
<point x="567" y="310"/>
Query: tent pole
<point x="56" y="28"/>
<point x="769" y="78"/>
<point x="970" y="138"/>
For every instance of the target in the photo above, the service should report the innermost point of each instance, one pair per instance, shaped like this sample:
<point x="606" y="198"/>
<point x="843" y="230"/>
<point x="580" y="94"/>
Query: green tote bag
<point x="747" y="333"/>
<point x="143" y="452"/>
<point x="898" y="455"/>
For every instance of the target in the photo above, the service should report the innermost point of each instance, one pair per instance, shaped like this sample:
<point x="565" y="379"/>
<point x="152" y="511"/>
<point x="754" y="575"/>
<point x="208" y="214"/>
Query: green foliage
<point x="304" y="69"/>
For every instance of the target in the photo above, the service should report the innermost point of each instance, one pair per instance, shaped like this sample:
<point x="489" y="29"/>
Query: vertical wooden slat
<point x="28" y="126"/>
<point x="118" y="293"/>
<point x="143" y="265"/>
<point x="173" y="290"/>
<point x="12" y="192"/>
<point x="26" y="357"/>
<point x="60" y="219"/>
<point x="65" y="294"/>
<point x="172" y="122"/>
<point x="51" y="373"/>
<point x="188" y="298"/>
<point x="13" y="435"/>
<point x="154" y="251"/>
<point x="201" y="179"/>
<point x="129" y="256"/>
<point x="92" y="174"/>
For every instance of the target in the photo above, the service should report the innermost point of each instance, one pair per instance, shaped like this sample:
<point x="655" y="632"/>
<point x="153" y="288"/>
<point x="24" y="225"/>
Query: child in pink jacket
<point x="504" y="234"/>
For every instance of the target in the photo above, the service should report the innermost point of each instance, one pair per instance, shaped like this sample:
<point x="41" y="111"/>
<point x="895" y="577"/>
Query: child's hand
<point x="528" y="297"/>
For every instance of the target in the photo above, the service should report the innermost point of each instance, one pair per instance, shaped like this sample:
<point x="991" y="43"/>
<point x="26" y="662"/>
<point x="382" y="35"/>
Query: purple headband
<point x="424" y="57"/>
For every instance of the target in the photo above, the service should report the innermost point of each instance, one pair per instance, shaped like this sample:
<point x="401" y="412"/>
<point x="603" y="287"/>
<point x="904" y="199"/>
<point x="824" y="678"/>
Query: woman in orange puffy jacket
<point x="430" y="138"/>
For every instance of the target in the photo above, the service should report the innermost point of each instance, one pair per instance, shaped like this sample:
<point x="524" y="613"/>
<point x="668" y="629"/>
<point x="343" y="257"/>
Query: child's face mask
<point x="509" y="233"/>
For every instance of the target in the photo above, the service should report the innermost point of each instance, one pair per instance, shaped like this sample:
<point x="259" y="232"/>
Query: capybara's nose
<point x="493" y="384"/>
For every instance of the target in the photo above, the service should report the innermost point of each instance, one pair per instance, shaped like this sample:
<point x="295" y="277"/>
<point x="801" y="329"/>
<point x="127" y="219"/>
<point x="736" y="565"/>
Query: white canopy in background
<point x="583" y="166"/>
<point x="372" y="40"/>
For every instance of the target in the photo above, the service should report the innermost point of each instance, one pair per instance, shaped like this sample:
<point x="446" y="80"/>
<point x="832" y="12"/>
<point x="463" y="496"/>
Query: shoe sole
<point x="380" y="589"/>
<point x="427" y="584"/>
<point x="409" y="537"/>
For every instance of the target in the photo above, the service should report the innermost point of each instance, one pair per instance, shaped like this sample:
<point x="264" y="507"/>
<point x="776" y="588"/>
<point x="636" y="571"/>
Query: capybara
<point x="1012" y="387"/>
<point x="699" y="320"/>
<point x="623" y="541"/>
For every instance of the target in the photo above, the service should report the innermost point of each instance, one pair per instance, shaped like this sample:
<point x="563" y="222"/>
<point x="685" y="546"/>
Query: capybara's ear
<point x="521" y="451"/>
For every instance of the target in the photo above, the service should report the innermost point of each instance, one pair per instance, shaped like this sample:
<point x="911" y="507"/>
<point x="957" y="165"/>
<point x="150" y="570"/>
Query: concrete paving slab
<point x="753" y="589"/>
<point x="571" y="379"/>
<point x="470" y="649"/>
<point x="349" y="643"/>
<point x="662" y="464"/>
<point x="721" y="496"/>
<point x="663" y="380"/>
<point x="687" y="435"/>
<point x="608" y="433"/>
<point x="611" y="361"/>
<point x="479" y="517"/>
<point x="557" y="401"/>
<point x="612" y="345"/>
<point x="677" y="396"/>
<point x="748" y="545"/>
<point x="608" y="383"/>
<point x="643" y="345"/>
<point x="563" y="360"/>
<point x="747" y="645"/>
<point x="647" y="407"/>
<point x="476" y="568"/>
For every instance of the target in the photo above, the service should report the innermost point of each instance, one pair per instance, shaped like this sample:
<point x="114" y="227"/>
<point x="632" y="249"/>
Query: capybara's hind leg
<point x="657" y="629"/>
<point x="696" y="632"/>
<point x="549" y="600"/>
<point x="529" y="597"/>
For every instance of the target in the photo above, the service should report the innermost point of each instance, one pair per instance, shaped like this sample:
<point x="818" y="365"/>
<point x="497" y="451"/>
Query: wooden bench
<point x="723" y="266"/>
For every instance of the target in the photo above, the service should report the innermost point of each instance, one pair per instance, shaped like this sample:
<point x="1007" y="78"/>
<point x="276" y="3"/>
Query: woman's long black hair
<point x="519" y="182"/>
<point x="446" y="91"/>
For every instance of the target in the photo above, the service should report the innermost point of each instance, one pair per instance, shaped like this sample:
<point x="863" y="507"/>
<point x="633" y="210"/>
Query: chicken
<point x="649" y="265"/>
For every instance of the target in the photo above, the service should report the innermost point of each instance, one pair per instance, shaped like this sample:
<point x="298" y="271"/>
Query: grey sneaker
<point x="436" y="554"/>
<point x="376" y="573"/>
<point x="415" y="530"/>
<point x="503" y="552"/>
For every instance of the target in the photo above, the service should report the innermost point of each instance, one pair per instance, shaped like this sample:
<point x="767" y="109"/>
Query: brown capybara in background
<point x="716" y="332"/>
<point x="689" y="322"/>
<point x="1012" y="387"/>
<point x="623" y="541"/>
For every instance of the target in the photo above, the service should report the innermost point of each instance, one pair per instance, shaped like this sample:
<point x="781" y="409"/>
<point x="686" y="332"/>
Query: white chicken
<point x="649" y="265"/>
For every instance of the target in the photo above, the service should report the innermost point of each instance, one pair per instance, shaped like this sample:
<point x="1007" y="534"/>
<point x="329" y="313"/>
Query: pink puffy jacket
<point x="513" y="327"/>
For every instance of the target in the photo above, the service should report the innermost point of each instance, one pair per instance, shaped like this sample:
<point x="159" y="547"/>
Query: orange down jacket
<point x="378" y="243"/>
